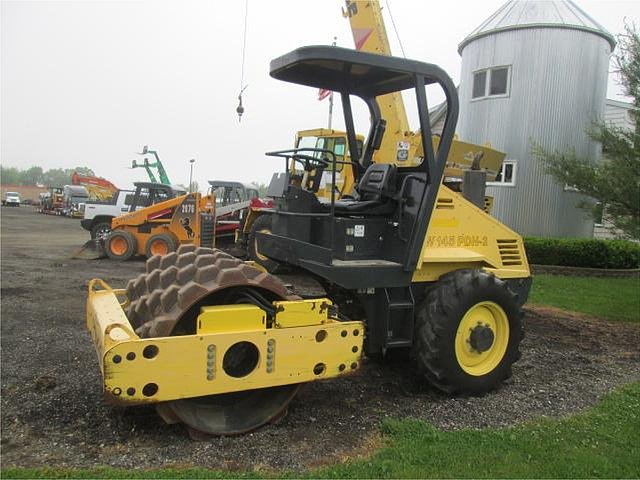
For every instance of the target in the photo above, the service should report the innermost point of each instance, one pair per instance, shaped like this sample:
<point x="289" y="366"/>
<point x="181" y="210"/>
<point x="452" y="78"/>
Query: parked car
<point x="11" y="199"/>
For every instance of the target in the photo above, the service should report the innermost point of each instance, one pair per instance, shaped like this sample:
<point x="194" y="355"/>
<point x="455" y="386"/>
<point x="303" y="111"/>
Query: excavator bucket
<point x="91" y="250"/>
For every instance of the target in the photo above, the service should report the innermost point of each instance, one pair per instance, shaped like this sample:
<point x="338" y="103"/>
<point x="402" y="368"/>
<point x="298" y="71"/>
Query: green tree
<point x="32" y="176"/>
<point x="9" y="176"/>
<point x="613" y="182"/>
<point x="261" y="187"/>
<point x="56" y="177"/>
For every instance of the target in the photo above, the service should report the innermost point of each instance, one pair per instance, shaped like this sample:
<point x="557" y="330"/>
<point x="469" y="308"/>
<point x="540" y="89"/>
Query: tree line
<point x="54" y="177"/>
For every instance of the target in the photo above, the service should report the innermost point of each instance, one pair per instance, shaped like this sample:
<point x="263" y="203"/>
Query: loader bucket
<point x="91" y="250"/>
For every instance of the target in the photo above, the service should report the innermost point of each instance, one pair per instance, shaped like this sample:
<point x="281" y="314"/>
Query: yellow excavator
<point x="401" y="145"/>
<point x="409" y="265"/>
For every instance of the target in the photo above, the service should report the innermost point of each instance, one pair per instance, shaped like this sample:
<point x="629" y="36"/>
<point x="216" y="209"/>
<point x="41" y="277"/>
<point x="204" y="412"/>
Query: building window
<point x="491" y="82"/>
<point x="507" y="175"/>
<point x="479" y="84"/>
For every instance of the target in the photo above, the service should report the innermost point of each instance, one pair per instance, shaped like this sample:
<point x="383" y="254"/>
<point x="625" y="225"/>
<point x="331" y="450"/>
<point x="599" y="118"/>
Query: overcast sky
<point x="91" y="82"/>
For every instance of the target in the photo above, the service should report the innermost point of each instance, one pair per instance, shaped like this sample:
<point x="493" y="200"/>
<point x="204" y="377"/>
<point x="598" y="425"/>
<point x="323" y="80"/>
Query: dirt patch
<point x="53" y="412"/>
<point x="13" y="291"/>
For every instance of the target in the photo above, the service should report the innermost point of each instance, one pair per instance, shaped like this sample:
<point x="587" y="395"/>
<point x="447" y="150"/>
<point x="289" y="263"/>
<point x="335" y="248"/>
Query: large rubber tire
<point x="450" y="353"/>
<point x="166" y="301"/>
<point x="101" y="229"/>
<point x="160" y="244"/>
<point x="121" y="245"/>
<point x="260" y="224"/>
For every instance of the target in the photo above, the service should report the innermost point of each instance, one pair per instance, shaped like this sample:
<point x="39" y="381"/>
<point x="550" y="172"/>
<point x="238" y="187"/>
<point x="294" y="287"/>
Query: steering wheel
<point x="312" y="164"/>
<point x="313" y="160"/>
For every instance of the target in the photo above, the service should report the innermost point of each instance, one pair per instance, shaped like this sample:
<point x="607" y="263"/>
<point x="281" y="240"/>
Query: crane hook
<point x="240" y="108"/>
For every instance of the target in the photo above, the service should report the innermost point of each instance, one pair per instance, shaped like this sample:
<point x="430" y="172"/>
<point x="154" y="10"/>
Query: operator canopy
<point x="362" y="74"/>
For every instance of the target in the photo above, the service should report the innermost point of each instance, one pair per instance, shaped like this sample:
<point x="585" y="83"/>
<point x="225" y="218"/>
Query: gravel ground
<point x="53" y="413"/>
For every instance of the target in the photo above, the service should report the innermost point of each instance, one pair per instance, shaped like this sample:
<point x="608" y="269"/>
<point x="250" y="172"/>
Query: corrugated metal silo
<point x="535" y="72"/>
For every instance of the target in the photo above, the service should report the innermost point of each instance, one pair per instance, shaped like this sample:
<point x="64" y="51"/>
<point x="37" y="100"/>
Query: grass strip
<point x="603" y="442"/>
<point x="615" y="299"/>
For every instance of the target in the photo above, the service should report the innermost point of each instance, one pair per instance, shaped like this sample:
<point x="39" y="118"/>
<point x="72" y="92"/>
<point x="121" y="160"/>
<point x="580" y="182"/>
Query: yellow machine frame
<point x="449" y="246"/>
<point x="304" y="344"/>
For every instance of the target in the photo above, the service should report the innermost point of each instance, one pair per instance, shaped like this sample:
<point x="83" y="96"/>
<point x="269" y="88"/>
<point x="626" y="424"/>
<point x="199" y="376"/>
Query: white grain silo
<point x="535" y="72"/>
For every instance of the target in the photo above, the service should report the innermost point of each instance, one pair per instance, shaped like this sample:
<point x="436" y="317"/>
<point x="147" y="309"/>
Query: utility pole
<point x="331" y="95"/>
<point x="191" y="162"/>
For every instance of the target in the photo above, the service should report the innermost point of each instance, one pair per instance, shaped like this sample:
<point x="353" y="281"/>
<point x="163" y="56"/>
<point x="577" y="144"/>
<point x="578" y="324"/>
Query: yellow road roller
<point x="405" y="264"/>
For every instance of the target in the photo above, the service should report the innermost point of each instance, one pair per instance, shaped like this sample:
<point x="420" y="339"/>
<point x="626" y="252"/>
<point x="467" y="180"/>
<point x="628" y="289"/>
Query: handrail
<point x="295" y="155"/>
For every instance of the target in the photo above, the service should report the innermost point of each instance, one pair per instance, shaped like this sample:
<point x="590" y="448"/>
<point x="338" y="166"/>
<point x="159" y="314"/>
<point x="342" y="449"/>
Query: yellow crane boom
<point x="400" y="144"/>
<point x="370" y="35"/>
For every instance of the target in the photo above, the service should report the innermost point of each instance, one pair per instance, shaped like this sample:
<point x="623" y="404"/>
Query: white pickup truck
<point x="11" y="199"/>
<point x="97" y="216"/>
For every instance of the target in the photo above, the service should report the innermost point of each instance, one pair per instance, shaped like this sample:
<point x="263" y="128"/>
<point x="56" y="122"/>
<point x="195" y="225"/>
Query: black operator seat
<point x="377" y="190"/>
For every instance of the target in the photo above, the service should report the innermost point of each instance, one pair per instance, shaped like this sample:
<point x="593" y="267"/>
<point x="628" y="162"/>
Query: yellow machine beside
<point x="406" y="265"/>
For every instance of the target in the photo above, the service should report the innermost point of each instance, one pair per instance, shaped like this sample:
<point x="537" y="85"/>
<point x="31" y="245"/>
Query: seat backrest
<point x="378" y="181"/>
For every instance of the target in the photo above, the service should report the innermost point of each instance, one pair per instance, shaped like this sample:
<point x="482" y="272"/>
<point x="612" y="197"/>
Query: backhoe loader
<point x="223" y="347"/>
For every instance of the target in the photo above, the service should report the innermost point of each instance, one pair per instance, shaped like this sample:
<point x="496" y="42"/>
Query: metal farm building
<point x="535" y="72"/>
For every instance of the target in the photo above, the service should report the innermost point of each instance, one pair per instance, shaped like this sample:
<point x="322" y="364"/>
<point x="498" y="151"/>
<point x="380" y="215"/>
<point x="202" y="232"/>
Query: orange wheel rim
<point x="159" y="247"/>
<point x="118" y="245"/>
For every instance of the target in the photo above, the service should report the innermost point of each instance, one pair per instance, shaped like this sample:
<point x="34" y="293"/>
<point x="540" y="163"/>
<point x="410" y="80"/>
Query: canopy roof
<point x="362" y="74"/>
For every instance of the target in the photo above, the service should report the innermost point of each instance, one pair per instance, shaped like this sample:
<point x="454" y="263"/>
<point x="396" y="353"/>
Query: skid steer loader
<point x="223" y="347"/>
<point x="160" y="228"/>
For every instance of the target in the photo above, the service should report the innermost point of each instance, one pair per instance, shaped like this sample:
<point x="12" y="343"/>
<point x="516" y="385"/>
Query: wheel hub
<point x="481" y="338"/>
<point x="103" y="233"/>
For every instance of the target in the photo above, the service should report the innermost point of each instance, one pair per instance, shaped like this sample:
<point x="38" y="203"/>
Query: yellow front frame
<point x="137" y="371"/>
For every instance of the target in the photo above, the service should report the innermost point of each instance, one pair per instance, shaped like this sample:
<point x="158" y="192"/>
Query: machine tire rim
<point x="483" y="315"/>
<point x="260" y="256"/>
<point x="159" y="247"/>
<point x="103" y="232"/>
<point x="118" y="245"/>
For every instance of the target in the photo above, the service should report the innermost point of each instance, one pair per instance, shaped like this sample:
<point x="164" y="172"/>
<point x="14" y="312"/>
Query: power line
<point x="395" y="29"/>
